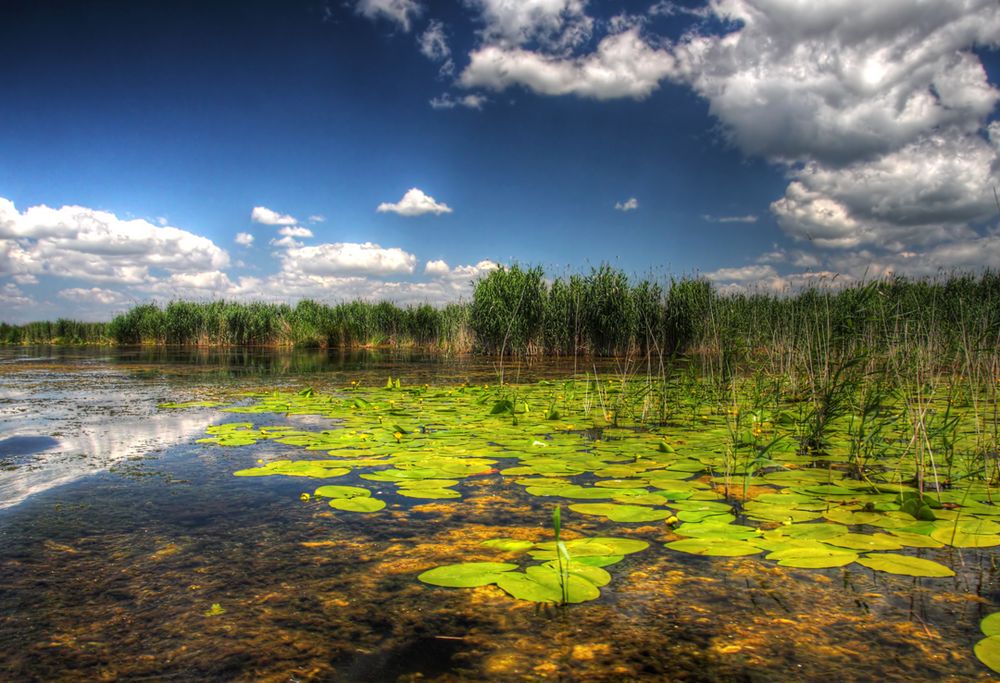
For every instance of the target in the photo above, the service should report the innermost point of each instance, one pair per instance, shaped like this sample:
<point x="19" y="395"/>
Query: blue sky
<point x="401" y="148"/>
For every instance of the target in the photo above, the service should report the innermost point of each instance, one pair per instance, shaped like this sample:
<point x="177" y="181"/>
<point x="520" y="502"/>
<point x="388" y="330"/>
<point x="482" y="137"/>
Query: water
<point x="118" y="534"/>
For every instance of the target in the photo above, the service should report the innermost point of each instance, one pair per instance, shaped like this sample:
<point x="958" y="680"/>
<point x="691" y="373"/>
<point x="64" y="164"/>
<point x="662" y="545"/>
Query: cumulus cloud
<point x="401" y="12"/>
<point x="843" y="81"/>
<point x="12" y="297"/>
<point x="295" y="231"/>
<point x="244" y="239"/>
<point x="316" y="218"/>
<point x="97" y="246"/>
<point x="877" y="112"/>
<point x="265" y="216"/>
<point x="92" y="295"/>
<point x="928" y="191"/>
<point x="348" y="257"/>
<point x="414" y="203"/>
<point x="439" y="269"/>
<point x="742" y="274"/>
<point x="447" y="101"/>
<point x="623" y="65"/>
<point x="630" y="204"/>
<point x="553" y="24"/>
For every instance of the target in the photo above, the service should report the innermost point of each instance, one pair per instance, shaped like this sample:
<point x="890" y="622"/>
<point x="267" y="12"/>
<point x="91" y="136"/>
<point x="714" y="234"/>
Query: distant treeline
<point x="516" y="310"/>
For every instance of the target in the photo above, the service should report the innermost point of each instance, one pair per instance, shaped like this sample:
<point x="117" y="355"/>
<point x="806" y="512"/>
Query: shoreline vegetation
<point x="517" y="311"/>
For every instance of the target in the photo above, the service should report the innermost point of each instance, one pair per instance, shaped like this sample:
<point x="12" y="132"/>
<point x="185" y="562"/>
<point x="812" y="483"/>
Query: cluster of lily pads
<point x="576" y="577"/>
<point x="798" y="509"/>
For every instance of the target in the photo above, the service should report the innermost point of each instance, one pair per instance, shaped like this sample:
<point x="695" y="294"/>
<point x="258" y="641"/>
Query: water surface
<point x="119" y="533"/>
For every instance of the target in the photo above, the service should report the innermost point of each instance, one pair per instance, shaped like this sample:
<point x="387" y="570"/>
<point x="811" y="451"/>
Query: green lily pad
<point x="357" y="504"/>
<point x="894" y="563"/>
<point x="341" y="492"/>
<point x="865" y="542"/>
<point x="990" y="625"/>
<point x="988" y="652"/>
<point x="812" y="531"/>
<point x="544" y="584"/>
<point x="813" y="556"/>
<point x="716" y="547"/>
<point x="959" y="539"/>
<point x="621" y="513"/>
<point x="466" y="574"/>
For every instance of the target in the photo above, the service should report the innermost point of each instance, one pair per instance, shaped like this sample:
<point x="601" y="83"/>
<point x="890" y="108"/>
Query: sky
<point x="400" y="149"/>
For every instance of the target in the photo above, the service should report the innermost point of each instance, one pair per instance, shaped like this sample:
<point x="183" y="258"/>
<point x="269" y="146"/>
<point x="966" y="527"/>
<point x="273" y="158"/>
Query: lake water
<point x="119" y="533"/>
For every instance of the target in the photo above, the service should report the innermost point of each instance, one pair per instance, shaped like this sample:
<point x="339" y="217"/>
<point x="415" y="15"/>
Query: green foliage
<point x="507" y="310"/>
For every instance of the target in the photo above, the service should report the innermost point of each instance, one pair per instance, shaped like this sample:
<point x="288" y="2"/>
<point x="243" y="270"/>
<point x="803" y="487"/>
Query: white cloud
<point x="623" y="65"/>
<point x="742" y="274"/>
<point x="842" y="80"/>
<point x="93" y="295"/>
<point x="401" y="12"/>
<point x="348" y="257"/>
<point x="440" y="270"/>
<point x="265" y="216"/>
<point x="877" y="112"/>
<point x="97" y="246"/>
<point x="316" y="218"/>
<point x="295" y="231"/>
<point x="553" y="24"/>
<point x="244" y="239"/>
<point x="12" y="297"/>
<point x="749" y="218"/>
<point x="414" y="203"/>
<point x="434" y="45"/>
<point x="286" y="242"/>
<point x="447" y="101"/>
<point x="928" y="191"/>
<point x="630" y="204"/>
<point x="438" y="267"/>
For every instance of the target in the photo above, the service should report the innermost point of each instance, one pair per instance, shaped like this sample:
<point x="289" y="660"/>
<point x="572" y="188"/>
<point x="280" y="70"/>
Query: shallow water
<point x="117" y="540"/>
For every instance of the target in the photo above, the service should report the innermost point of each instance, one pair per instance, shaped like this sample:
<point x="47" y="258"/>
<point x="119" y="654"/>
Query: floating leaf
<point x="991" y="624"/>
<point x="357" y="504"/>
<point x="466" y="574"/>
<point x="813" y="556"/>
<point x="894" y="563"/>
<point x="544" y="584"/>
<point x="341" y="492"/>
<point x="988" y="652"/>
<point x="716" y="547"/>
<point x="865" y="542"/>
<point x="959" y="539"/>
<point x="621" y="513"/>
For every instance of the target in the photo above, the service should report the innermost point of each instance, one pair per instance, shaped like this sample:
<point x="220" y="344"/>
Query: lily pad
<point x="622" y="513"/>
<point x="544" y="584"/>
<point x="466" y="574"/>
<point x="716" y="547"/>
<point x="357" y="504"/>
<point x="988" y="652"/>
<point x="990" y="625"/>
<point x="894" y="563"/>
<point x="813" y="556"/>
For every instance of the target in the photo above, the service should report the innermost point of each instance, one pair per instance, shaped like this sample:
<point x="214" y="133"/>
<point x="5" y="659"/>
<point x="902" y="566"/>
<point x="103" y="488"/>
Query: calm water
<point x="118" y="533"/>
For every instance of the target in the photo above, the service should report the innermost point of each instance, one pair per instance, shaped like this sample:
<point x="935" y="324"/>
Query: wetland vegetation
<point x="633" y="481"/>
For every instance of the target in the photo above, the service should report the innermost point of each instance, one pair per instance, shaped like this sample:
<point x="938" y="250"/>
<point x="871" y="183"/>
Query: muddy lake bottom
<point x="129" y="552"/>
